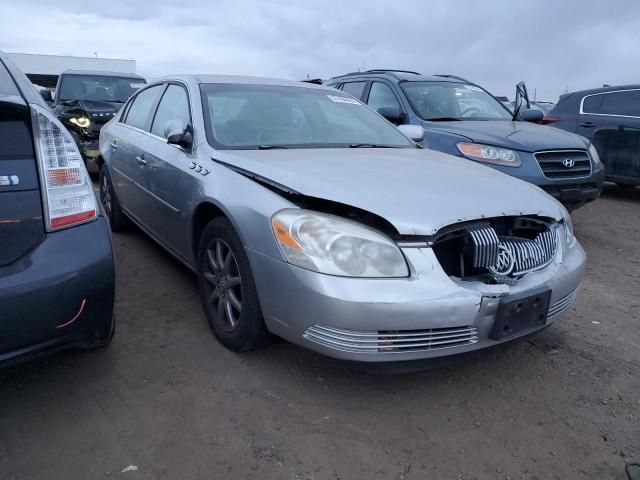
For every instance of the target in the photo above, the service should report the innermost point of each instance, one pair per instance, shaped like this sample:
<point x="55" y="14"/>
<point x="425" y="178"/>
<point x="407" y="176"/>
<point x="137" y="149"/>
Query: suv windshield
<point x="275" y="116"/>
<point x="98" y="88"/>
<point x="453" y="101"/>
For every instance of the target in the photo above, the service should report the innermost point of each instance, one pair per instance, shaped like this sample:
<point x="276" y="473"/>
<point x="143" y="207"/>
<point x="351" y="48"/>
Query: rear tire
<point x="227" y="289"/>
<point x="117" y="219"/>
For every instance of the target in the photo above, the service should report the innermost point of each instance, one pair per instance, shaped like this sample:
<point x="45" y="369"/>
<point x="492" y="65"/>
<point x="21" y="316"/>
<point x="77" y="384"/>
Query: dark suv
<point x="463" y="119"/>
<point x="610" y="118"/>
<point x="86" y="100"/>
<point x="56" y="262"/>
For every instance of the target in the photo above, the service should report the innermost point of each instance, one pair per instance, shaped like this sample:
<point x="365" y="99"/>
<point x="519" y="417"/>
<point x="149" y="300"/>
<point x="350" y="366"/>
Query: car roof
<point x="26" y="89"/>
<point x="610" y="88"/>
<point x="404" y="75"/>
<point x="100" y="73"/>
<point x="241" y="79"/>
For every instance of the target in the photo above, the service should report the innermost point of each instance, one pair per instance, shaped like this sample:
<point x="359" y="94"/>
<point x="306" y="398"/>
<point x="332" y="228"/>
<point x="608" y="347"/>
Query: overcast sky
<point x="551" y="45"/>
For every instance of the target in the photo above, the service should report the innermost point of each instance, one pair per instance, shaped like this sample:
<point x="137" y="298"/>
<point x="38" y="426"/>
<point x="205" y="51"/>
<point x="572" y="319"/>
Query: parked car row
<point x="303" y="211"/>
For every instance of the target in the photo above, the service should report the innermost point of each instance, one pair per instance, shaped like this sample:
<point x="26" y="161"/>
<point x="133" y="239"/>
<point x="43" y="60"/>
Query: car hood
<point x="525" y="136"/>
<point x="91" y="106"/>
<point x="418" y="191"/>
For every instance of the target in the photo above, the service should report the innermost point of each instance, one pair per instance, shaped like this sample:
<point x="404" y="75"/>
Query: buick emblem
<point x="568" y="162"/>
<point x="506" y="262"/>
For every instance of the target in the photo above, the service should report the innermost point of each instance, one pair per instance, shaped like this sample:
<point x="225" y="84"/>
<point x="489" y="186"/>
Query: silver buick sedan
<point x="308" y="216"/>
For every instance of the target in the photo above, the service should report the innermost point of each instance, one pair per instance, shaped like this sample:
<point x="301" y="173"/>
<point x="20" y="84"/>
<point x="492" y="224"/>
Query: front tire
<point x="227" y="289"/>
<point x="117" y="219"/>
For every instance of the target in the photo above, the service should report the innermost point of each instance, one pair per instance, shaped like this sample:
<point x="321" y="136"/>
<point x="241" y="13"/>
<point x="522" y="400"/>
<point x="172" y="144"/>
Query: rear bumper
<point x="59" y="295"/>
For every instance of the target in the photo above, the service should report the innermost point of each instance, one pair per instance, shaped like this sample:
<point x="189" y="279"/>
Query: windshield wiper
<point x="443" y="119"/>
<point x="369" y="145"/>
<point x="271" y="147"/>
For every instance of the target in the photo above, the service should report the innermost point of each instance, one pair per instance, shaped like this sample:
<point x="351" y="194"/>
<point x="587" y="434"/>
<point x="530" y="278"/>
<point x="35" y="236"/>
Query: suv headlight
<point x="336" y="246"/>
<point x="490" y="154"/>
<point x="568" y="227"/>
<point x="594" y="154"/>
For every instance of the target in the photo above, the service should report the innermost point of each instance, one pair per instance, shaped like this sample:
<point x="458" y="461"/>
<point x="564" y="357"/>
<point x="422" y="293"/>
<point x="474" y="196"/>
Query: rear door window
<point x="173" y="106"/>
<point x="621" y="103"/>
<point x="592" y="104"/>
<point x="142" y="106"/>
<point x="354" y="89"/>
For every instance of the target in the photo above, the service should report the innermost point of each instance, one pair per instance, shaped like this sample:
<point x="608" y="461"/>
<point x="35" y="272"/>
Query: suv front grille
<point x="564" y="163"/>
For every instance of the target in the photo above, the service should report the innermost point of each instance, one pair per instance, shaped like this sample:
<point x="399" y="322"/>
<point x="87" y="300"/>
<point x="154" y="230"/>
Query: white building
<point x="45" y="69"/>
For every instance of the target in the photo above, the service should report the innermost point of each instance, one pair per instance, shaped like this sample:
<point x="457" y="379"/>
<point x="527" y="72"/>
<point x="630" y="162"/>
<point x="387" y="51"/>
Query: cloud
<point x="551" y="45"/>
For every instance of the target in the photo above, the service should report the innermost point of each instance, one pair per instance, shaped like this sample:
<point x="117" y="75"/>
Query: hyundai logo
<point x="568" y="162"/>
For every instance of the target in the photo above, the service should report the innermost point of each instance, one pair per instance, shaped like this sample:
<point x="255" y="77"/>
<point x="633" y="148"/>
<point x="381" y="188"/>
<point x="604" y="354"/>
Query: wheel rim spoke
<point x="227" y="263"/>
<point x="211" y="278"/>
<point x="235" y="303"/>
<point x="228" y="309"/>
<point x="212" y="261"/>
<point x="219" y="256"/>
<point x="215" y="294"/>
<point x="233" y="281"/>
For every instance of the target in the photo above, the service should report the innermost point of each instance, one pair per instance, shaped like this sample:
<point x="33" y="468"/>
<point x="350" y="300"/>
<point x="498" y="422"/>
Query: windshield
<point x="453" y="101"/>
<point x="273" y="116"/>
<point x="98" y="88"/>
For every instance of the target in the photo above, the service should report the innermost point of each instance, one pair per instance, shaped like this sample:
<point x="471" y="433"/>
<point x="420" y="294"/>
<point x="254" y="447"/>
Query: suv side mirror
<point x="414" y="132"/>
<point x="177" y="133"/>
<point x="531" y="115"/>
<point x="393" y="114"/>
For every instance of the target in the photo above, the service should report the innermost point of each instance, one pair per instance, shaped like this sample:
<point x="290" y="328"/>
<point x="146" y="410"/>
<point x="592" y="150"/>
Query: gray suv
<point x="463" y="119"/>
<point x="307" y="215"/>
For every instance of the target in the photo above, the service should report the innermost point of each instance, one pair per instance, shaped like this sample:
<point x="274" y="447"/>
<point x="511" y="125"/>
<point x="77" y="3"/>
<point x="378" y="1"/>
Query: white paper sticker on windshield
<point x="136" y="85"/>
<point x="473" y="88"/>
<point x="337" y="99"/>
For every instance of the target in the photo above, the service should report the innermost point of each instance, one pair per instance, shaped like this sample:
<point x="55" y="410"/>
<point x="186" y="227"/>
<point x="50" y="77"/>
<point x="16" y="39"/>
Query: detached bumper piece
<point x="574" y="196"/>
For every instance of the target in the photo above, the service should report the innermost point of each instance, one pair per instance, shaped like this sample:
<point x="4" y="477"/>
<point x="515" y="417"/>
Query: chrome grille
<point x="390" y="341"/>
<point x="561" y="305"/>
<point x="554" y="163"/>
<point x="531" y="255"/>
<point x="485" y="245"/>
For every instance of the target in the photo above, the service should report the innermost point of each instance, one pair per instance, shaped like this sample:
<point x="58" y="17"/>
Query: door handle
<point x="114" y="144"/>
<point x="141" y="160"/>
<point x="588" y="125"/>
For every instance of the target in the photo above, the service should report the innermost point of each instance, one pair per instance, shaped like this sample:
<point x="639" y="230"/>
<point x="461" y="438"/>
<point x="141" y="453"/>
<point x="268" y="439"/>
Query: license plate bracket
<point x="520" y="313"/>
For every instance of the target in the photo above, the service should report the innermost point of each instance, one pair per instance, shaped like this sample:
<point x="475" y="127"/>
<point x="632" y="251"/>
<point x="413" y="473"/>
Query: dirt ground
<point x="165" y="400"/>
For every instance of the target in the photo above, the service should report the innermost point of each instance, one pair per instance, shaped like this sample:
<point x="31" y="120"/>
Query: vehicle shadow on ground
<point x="613" y="191"/>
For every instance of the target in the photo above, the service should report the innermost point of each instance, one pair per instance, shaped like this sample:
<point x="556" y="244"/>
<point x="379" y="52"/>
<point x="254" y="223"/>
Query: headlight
<point x="490" y="154"/>
<point x="568" y="227"/>
<point x="82" y="122"/>
<point x="594" y="155"/>
<point x="333" y="245"/>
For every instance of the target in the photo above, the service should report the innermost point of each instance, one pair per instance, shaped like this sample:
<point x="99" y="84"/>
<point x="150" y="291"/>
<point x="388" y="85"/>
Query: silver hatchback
<point x="307" y="215"/>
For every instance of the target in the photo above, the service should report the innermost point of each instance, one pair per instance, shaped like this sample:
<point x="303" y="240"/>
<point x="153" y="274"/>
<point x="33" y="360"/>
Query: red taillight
<point x="548" y="120"/>
<point x="69" y="198"/>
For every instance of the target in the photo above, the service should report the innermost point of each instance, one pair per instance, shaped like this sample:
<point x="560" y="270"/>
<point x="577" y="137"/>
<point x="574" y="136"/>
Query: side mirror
<point x="414" y="132"/>
<point x="45" y="93"/>
<point x="531" y="115"/>
<point x="177" y="133"/>
<point x="393" y="114"/>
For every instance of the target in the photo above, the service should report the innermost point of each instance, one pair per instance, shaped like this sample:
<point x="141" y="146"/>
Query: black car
<point x="86" y="100"/>
<point x="56" y="261"/>
<point x="610" y="118"/>
<point x="461" y="118"/>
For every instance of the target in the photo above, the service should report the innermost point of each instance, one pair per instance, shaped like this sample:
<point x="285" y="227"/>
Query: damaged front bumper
<point x="425" y="315"/>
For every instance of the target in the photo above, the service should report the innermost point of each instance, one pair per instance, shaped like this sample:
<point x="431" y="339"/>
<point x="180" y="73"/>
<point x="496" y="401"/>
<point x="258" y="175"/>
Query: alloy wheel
<point x="105" y="194"/>
<point x="223" y="283"/>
